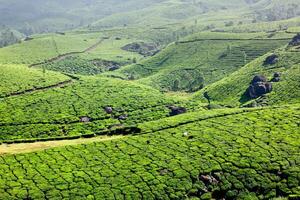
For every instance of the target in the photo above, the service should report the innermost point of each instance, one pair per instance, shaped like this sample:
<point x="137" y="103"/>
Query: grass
<point x="234" y="156"/>
<point x="6" y="149"/>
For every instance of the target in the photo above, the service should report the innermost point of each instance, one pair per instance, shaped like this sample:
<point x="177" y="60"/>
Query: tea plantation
<point x="249" y="154"/>
<point x="61" y="111"/>
<point x="227" y="91"/>
<point x="177" y="99"/>
<point x="200" y="60"/>
<point x="18" y="78"/>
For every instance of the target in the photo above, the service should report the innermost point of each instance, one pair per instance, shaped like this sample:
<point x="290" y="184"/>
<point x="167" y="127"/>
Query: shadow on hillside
<point x="244" y="98"/>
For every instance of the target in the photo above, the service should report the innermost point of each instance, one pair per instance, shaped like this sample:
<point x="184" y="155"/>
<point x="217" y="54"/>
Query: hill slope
<point x="231" y="90"/>
<point x="200" y="60"/>
<point x="213" y="160"/>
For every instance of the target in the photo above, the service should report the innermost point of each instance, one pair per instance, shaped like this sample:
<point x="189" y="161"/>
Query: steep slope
<point x="231" y="90"/>
<point x="201" y="59"/>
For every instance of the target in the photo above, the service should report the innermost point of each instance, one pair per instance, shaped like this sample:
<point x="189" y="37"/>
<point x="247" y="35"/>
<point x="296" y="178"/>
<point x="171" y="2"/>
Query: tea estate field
<point x="245" y="154"/>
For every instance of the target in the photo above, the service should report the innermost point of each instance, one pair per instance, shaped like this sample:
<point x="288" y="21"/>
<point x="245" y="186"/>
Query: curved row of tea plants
<point x="231" y="90"/>
<point x="251" y="155"/>
<point x="189" y="66"/>
<point x="19" y="78"/>
<point x="79" y="108"/>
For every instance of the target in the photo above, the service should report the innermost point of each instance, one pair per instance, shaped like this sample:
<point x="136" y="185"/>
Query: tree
<point x="245" y="57"/>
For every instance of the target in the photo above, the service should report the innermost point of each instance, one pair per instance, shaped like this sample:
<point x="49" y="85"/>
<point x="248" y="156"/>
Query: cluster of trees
<point x="8" y="37"/>
<point x="278" y="12"/>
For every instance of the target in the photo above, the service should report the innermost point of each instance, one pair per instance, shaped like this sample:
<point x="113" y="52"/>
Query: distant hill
<point x="36" y="16"/>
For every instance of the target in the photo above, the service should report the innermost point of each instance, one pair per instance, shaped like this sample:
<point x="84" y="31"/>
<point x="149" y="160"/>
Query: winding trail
<point x="37" y="89"/>
<point x="39" y="146"/>
<point x="65" y="55"/>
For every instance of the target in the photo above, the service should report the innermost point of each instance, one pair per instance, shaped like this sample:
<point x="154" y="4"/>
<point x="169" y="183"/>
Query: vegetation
<point x="203" y="59"/>
<point x="150" y="99"/>
<point x="17" y="79"/>
<point x="42" y="115"/>
<point x="227" y="91"/>
<point x="198" y="160"/>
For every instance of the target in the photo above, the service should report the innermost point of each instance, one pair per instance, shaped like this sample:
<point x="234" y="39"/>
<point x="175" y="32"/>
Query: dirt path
<point x="63" y="56"/>
<point x="39" y="146"/>
<point x="57" y="85"/>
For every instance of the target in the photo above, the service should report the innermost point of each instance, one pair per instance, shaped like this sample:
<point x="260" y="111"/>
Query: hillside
<point x="212" y="160"/>
<point x="149" y="99"/>
<point x="17" y="79"/>
<point x="40" y="114"/>
<point x="49" y="16"/>
<point x="202" y="59"/>
<point x="227" y="91"/>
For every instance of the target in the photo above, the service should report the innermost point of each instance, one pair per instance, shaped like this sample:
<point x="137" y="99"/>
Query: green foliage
<point x="201" y="60"/>
<point x="57" y="112"/>
<point x="234" y="156"/>
<point x="19" y="78"/>
<point x="231" y="90"/>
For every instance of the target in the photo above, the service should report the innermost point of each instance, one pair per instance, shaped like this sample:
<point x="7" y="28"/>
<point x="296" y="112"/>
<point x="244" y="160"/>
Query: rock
<point x="177" y="110"/>
<point x="276" y="77"/>
<point x="123" y="117"/>
<point x="85" y="119"/>
<point x="259" y="87"/>
<point x="145" y="49"/>
<point x="271" y="60"/>
<point x="277" y="74"/>
<point x="108" y="110"/>
<point x="258" y="78"/>
<point x="295" y="41"/>
<point x="28" y="39"/>
<point x="209" y="179"/>
<point x="113" y="68"/>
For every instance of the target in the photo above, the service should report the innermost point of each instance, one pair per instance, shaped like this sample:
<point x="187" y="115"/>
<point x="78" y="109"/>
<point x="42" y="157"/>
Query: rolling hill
<point x="201" y="59"/>
<point x="157" y="99"/>
<point x="285" y="91"/>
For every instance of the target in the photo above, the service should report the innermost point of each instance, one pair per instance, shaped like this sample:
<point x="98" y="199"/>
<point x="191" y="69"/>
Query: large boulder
<point x="295" y="41"/>
<point x="258" y="78"/>
<point x="276" y="77"/>
<point x="271" y="60"/>
<point x="145" y="49"/>
<point x="259" y="87"/>
<point x="174" y="110"/>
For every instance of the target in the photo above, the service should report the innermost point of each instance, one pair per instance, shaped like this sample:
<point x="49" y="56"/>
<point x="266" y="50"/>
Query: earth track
<point x="65" y="55"/>
<point x="38" y="89"/>
<point x="38" y="146"/>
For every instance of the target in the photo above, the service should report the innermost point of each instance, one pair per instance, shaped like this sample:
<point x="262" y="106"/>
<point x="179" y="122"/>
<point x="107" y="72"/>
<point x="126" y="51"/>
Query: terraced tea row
<point x="252" y="155"/>
<point x="17" y="79"/>
<point x="89" y="105"/>
<point x="189" y="66"/>
<point x="232" y="89"/>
